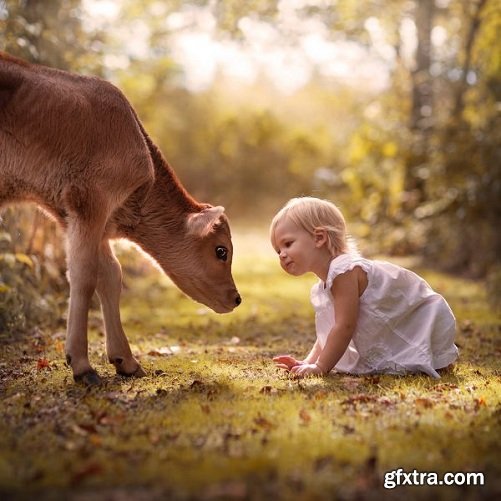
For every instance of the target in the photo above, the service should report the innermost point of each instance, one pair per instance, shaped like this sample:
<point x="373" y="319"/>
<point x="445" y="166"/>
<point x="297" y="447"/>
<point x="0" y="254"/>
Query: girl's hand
<point x="287" y="362"/>
<point x="307" y="370"/>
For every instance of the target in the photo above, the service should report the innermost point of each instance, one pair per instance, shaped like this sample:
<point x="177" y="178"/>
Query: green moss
<point x="215" y="419"/>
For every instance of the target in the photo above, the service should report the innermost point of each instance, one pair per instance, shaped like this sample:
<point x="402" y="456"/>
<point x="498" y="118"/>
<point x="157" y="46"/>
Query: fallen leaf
<point x="42" y="363"/>
<point x="321" y="395"/>
<point x="164" y="351"/>
<point x="196" y="384"/>
<point x="347" y="429"/>
<point x="95" y="439"/>
<point x="83" y="428"/>
<point x="88" y="470"/>
<point x="427" y="403"/>
<point x="441" y="387"/>
<point x="228" y="490"/>
<point x="111" y="420"/>
<point x="479" y="402"/>
<point x="262" y="422"/>
<point x="154" y="437"/>
<point x="322" y="462"/>
<point x="359" y="398"/>
<point x="350" y="383"/>
<point x="373" y="379"/>
<point x="268" y="390"/>
<point x="305" y="416"/>
<point x="59" y="346"/>
<point x="385" y="401"/>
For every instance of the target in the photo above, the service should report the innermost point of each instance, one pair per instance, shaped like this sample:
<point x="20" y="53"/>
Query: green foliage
<point x="261" y="149"/>
<point x="409" y="181"/>
<point x="31" y="294"/>
<point x="33" y="288"/>
<point x="229" y="152"/>
<point x="49" y="32"/>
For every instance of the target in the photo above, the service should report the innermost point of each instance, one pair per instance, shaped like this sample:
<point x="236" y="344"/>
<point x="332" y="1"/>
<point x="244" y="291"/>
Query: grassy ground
<point x="215" y="420"/>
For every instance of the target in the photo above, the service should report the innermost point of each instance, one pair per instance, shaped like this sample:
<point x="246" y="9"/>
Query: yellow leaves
<point x="389" y="149"/>
<point x="139" y="84"/>
<point x="353" y="181"/>
<point x="359" y="149"/>
<point x="10" y="259"/>
<point x="228" y="147"/>
<point x="23" y="258"/>
<point x="59" y="346"/>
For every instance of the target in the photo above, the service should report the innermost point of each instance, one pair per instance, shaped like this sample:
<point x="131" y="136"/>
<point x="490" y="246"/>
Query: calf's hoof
<point x="139" y="372"/>
<point x="133" y="370"/>
<point x="89" y="378"/>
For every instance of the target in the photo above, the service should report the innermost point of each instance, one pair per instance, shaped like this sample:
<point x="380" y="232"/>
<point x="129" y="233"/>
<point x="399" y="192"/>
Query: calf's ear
<point x="201" y="223"/>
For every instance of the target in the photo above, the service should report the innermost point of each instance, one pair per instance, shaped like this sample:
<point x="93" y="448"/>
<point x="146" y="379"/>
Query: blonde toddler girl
<point x="370" y="316"/>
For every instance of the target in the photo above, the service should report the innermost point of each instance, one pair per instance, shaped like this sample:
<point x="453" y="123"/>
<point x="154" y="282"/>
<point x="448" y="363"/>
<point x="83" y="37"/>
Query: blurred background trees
<point x="390" y="109"/>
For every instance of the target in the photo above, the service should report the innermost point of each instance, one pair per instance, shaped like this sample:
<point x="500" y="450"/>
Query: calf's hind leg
<point x="109" y="287"/>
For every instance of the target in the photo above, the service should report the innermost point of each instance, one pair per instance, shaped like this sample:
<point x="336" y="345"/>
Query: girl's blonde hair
<point x="310" y="214"/>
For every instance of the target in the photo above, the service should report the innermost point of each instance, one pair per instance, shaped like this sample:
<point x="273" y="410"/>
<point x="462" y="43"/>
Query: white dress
<point x="403" y="325"/>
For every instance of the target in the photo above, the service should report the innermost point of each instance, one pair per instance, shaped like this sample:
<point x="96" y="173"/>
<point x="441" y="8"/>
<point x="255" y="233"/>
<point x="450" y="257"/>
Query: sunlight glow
<point x="288" y="63"/>
<point x="100" y="12"/>
<point x="408" y="36"/>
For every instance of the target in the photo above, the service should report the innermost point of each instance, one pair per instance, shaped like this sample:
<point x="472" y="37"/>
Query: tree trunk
<point x="461" y="88"/>
<point x="421" y="119"/>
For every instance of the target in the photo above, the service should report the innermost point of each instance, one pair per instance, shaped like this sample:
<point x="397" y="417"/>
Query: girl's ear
<point x="320" y="236"/>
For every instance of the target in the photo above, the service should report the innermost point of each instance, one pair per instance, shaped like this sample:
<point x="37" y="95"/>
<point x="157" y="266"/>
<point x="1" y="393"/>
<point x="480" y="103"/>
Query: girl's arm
<point x="345" y="291"/>
<point x="314" y="353"/>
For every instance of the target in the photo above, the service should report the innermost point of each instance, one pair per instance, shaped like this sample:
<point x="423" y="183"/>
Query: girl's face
<point x="296" y="248"/>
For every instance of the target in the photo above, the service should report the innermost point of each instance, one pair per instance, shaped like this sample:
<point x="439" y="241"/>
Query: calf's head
<point x="204" y="270"/>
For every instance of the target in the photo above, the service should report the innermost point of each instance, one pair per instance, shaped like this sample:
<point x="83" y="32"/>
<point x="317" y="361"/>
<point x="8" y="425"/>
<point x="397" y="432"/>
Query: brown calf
<point x="74" y="146"/>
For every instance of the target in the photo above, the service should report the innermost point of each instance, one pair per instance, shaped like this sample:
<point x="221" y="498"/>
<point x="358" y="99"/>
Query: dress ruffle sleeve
<point x="343" y="263"/>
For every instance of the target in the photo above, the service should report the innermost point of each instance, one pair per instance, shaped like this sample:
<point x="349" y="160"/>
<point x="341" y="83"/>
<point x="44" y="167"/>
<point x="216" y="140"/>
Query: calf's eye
<point x="222" y="253"/>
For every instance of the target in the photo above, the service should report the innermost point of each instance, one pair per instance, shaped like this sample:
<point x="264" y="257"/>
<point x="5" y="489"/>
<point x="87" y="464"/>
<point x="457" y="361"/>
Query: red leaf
<point x="42" y="363"/>
<point x="479" y="402"/>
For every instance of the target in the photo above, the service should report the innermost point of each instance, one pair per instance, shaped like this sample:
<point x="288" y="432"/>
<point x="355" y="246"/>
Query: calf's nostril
<point x="238" y="300"/>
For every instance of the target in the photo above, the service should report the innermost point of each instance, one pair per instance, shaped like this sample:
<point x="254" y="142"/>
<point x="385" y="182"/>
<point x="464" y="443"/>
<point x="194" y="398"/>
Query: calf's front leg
<point x="82" y="254"/>
<point x="109" y="287"/>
